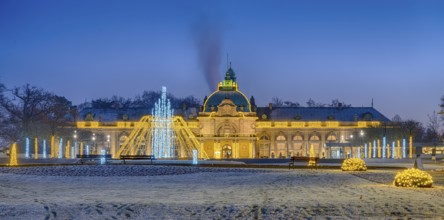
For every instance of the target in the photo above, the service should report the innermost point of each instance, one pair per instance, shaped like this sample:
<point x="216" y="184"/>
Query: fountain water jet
<point x="61" y="148"/>
<point x="27" y="148"/>
<point x="44" y="149"/>
<point x="163" y="133"/>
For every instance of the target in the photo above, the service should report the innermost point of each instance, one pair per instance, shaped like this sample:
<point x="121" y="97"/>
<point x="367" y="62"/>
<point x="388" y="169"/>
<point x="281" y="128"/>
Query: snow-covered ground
<point x="183" y="192"/>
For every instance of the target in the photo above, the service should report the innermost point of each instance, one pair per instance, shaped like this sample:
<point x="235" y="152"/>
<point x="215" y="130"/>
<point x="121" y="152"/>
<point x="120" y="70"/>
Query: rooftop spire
<point x="230" y="75"/>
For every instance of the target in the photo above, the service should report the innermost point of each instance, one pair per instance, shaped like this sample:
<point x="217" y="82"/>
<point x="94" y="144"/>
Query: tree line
<point x="29" y="111"/>
<point x="278" y="102"/>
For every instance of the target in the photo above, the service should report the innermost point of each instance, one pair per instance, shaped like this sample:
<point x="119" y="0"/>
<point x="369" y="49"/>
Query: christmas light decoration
<point x="27" y="148"/>
<point x="413" y="178"/>
<point x="354" y="164"/>
<point x="44" y="149"/>
<point x="13" y="155"/>
<point x="365" y="150"/>
<point x="312" y="161"/>
<point x="36" y="148"/>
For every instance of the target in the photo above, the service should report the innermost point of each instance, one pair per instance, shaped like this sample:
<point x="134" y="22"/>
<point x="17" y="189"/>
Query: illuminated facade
<point x="230" y="126"/>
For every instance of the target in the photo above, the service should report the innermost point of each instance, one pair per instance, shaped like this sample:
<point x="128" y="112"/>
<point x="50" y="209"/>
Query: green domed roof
<point x="237" y="97"/>
<point x="227" y="89"/>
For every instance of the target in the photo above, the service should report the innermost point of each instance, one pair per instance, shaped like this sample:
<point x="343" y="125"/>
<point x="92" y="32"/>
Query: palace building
<point x="231" y="126"/>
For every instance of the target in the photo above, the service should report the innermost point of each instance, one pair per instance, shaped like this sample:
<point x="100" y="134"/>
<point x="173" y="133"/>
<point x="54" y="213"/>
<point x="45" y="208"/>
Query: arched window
<point x="331" y="138"/>
<point x="316" y="143"/>
<point x="298" y="146"/>
<point x="281" y="145"/>
<point x="227" y="130"/>
<point x="140" y="141"/>
<point x="280" y="138"/>
<point x="314" y="138"/>
<point x="264" y="138"/>
<point x="264" y="147"/>
<point x="367" y="116"/>
<point x="122" y="140"/>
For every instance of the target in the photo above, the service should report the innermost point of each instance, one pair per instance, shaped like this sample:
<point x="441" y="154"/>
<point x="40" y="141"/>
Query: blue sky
<point x="391" y="51"/>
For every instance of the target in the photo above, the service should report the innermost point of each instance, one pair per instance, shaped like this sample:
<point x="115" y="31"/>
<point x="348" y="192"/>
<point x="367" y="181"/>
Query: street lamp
<point x="361" y="134"/>
<point x="94" y="141"/>
<point x="75" y="143"/>
<point x="108" y="139"/>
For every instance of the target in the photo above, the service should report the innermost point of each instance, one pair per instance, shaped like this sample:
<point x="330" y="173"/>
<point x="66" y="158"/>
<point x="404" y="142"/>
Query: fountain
<point x="399" y="148"/>
<point x="27" y="148"/>
<point x="384" y="147"/>
<point x="365" y="150"/>
<point x="404" y="155"/>
<point x="374" y="148"/>
<point x="163" y="133"/>
<point x="103" y="159"/>
<point x="61" y="148"/>
<point x="393" y="150"/>
<point x="44" y="149"/>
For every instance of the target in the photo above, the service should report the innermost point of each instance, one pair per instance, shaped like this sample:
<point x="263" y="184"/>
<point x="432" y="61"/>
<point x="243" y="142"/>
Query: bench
<point x="295" y="159"/>
<point x="137" y="157"/>
<point x="93" y="157"/>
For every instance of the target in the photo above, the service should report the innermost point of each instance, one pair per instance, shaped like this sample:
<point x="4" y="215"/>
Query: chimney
<point x="270" y="106"/>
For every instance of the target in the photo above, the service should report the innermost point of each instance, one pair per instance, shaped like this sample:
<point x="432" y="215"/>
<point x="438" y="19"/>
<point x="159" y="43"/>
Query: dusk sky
<point x="391" y="51"/>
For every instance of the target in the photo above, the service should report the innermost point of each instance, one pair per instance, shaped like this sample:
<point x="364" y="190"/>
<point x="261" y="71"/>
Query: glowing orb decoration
<point x="413" y="178"/>
<point x="354" y="164"/>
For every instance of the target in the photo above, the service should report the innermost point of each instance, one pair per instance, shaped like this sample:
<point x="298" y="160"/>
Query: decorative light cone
<point x="13" y="155"/>
<point x="312" y="161"/>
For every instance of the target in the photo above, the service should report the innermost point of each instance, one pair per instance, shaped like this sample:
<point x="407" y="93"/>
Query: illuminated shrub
<point x="413" y="178"/>
<point x="354" y="164"/>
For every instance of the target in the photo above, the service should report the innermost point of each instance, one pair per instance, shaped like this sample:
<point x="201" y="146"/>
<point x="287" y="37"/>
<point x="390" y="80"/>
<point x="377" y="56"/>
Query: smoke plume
<point x="208" y="37"/>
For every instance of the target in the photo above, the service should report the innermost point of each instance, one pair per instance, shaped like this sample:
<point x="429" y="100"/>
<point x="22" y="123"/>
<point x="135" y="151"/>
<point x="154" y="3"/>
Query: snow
<point x="208" y="193"/>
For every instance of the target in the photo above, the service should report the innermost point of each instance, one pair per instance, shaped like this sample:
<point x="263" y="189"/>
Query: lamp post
<point x="75" y="143"/>
<point x="351" y="147"/>
<point x="94" y="142"/>
<point x="361" y="135"/>
<point x="108" y="139"/>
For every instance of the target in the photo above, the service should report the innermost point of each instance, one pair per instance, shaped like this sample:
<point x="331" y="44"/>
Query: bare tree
<point x="30" y="110"/>
<point x="312" y="103"/>
<point x="433" y="132"/>
<point x="442" y="108"/>
<point x="397" y="118"/>
<point x="277" y="102"/>
<point x="337" y="103"/>
<point x="412" y="128"/>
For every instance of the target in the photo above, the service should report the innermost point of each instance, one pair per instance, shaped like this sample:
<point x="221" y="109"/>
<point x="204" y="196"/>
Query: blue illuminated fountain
<point x="27" y="148"/>
<point x="61" y="148"/>
<point x="393" y="150"/>
<point x="365" y="150"/>
<point x="404" y="155"/>
<point x="162" y="132"/>
<point x="384" y="147"/>
<point x="374" y="149"/>
<point x="44" y="148"/>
